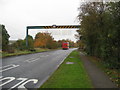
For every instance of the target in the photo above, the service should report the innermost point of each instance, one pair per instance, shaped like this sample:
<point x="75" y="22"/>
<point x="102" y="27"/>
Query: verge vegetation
<point x="42" y="42"/>
<point x="18" y="52"/>
<point x="99" y="34"/>
<point x="69" y="75"/>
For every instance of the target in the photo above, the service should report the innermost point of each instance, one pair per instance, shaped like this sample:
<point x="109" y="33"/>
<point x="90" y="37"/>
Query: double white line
<point x="35" y="59"/>
<point x="32" y="60"/>
<point x="8" y="67"/>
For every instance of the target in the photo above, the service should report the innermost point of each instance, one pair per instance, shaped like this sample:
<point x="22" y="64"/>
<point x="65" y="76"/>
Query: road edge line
<point x="52" y="72"/>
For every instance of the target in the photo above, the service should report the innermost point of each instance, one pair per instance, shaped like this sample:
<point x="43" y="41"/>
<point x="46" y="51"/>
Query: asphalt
<point x="30" y="71"/>
<point x="97" y="76"/>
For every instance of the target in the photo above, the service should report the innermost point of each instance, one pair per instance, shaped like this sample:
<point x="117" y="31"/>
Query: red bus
<point x="65" y="45"/>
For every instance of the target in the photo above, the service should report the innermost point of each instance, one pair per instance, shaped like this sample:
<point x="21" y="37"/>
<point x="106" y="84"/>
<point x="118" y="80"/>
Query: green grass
<point x="18" y="52"/>
<point x="69" y="75"/>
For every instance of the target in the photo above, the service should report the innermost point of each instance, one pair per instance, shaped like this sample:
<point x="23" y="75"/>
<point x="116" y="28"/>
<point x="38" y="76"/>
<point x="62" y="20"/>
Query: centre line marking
<point x="6" y="66"/>
<point x="29" y="59"/>
<point x="33" y="60"/>
<point x="12" y="66"/>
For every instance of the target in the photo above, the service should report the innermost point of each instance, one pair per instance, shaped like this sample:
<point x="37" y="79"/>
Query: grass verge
<point x="17" y="52"/>
<point x="69" y="75"/>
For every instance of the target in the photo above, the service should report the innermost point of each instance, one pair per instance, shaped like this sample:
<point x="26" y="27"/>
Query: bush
<point x="32" y="50"/>
<point x="11" y="49"/>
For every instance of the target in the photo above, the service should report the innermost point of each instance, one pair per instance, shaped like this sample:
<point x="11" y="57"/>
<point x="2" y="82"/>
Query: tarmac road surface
<point x="30" y="71"/>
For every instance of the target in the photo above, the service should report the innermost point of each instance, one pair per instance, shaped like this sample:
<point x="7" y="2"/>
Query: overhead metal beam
<point x="50" y="27"/>
<point x="54" y="27"/>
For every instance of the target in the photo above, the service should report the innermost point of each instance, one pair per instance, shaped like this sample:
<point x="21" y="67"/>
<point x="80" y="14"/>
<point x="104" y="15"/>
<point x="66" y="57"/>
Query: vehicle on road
<point x="65" y="45"/>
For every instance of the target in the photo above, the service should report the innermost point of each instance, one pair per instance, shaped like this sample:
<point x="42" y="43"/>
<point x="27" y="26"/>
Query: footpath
<point x="97" y="76"/>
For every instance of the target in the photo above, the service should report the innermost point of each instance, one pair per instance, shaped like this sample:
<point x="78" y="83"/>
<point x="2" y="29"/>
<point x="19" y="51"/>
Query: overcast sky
<point x="17" y="14"/>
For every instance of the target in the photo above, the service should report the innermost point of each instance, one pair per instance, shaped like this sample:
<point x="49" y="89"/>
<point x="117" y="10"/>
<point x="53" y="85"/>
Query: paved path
<point x="98" y="77"/>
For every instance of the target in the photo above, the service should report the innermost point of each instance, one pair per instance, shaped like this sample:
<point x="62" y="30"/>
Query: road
<point x="30" y="71"/>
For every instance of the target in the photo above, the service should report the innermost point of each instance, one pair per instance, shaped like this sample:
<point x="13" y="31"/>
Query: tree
<point x="5" y="38"/>
<point x="20" y="44"/>
<point x="114" y="34"/>
<point x="100" y="31"/>
<point x="44" y="40"/>
<point x="30" y="42"/>
<point x="0" y="37"/>
<point x="59" y="43"/>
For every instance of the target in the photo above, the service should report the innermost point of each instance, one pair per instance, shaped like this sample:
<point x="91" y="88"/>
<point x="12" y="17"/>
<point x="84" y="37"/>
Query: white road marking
<point x="10" y="79"/>
<point x="54" y="70"/>
<point x="20" y="84"/>
<point x="62" y="60"/>
<point x="29" y="59"/>
<point x="35" y="59"/>
<point x="30" y="80"/>
<point x="12" y="66"/>
<point x="23" y="80"/>
<point x="43" y="56"/>
<point x="32" y="60"/>
<point x="43" y="81"/>
<point x="6" y="66"/>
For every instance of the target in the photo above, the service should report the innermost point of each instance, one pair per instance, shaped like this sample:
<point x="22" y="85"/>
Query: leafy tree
<point x="20" y="44"/>
<point x="5" y="38"/>
<point x="0" y="37"/>
<point x="44" y="40"/>
<point x="114" y="34"/>
<point x="30" y="42"/>
<point x="100" y="30"/>
<point x="59" y="43"/>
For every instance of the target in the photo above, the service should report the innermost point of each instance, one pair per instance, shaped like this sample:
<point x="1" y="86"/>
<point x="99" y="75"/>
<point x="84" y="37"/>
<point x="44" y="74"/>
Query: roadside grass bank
<point x="69" y="75"/>
<point x="18" y="52"/>
<point x="114" y="74"/>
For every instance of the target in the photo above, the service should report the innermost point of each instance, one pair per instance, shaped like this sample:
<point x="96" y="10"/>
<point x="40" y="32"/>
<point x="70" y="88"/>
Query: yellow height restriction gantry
<point x="50" y="27"/>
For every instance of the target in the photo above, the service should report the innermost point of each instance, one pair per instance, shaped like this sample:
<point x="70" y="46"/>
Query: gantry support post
<point x="49" y="27"/>
<point x="26" y="36"/>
